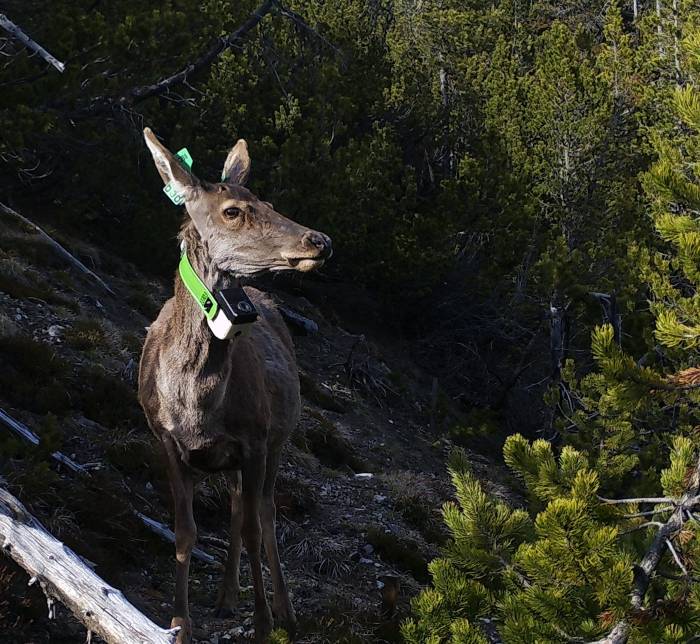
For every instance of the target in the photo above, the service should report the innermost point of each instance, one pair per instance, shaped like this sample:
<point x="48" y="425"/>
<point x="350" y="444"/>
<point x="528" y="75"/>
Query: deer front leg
<point x="230" y="587"/>
<point x="253" y="474"/>
<point x="182" y="487"/>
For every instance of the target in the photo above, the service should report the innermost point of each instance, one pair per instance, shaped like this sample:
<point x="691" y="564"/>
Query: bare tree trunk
<point x="64" y="577"/>
<point x="676" y="57"/>
<point x="659" y="30"/>
<point x="611" y="314"/>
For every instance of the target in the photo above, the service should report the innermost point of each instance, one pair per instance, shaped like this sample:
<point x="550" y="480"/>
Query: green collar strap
<point x="202" y="295"/>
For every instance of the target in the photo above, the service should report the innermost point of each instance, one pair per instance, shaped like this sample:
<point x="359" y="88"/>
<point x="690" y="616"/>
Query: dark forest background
<point x="513" y="183"/>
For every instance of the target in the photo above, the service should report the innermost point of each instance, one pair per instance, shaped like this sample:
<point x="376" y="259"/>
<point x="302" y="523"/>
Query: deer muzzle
<point x="314" y="249"/>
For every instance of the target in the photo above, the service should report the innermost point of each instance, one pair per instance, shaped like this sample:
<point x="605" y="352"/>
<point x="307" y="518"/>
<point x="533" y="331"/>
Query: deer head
<point x="244" y="235"/>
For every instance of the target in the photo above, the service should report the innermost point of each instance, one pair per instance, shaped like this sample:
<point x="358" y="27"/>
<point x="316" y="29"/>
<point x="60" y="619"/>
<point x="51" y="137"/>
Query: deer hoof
<point x="263" y="625"/>
<point x="184" y="635"/>
<point x="226" y="604"/>
<point x="285" y="617"/>
<point x="224" y="612"/>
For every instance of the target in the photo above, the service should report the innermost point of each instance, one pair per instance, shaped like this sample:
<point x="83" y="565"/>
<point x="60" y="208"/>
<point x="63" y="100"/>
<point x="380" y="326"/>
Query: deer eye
<point x="233" y="212"/>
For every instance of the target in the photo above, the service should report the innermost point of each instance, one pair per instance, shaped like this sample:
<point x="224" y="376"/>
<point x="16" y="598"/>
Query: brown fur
<point x="227" y="405"/>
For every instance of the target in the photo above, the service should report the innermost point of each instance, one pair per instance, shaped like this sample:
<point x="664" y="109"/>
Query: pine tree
<point x="609" y="543"/>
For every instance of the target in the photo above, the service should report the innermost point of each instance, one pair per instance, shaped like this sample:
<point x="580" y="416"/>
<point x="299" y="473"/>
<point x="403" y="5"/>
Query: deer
<point x="226" y="406"/>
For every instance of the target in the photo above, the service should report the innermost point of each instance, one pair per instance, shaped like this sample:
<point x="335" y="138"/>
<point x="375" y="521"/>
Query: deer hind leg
<point x="230" y="587"/>
<point x="182" y="487"/>
<point x="282" y="607"/>
<point x="253" y="474"/>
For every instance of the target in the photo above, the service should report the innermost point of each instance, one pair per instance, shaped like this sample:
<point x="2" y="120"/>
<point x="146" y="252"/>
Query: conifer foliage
<point x="608" y="548"/>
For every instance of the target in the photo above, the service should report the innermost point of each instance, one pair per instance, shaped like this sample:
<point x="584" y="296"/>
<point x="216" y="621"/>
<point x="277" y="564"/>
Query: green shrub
<point x="85" y="334"/>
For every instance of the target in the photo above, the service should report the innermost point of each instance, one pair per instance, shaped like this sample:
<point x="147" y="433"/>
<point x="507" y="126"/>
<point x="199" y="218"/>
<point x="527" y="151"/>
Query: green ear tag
<point x="177" y="198"/>
<point x="185" y="157"/>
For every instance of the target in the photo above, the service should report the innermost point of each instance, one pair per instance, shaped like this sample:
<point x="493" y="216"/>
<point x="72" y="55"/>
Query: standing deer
<point x="226" y="405"/>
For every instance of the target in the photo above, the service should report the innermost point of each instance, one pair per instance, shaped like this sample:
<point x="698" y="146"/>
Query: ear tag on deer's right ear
<point x="177" y="197"/>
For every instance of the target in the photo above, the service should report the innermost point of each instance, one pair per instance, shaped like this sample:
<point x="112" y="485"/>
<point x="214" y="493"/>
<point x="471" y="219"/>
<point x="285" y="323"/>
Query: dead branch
<point x="27" y="434"/>
<point x="63" y="576"/>
<point x="142" y="92"/>
<point x="164" y="531"/>
<point x="17" y="33"/>
<point x="645" y="499"/>
<point x="58" y="248"/>
<point x="646" y="568"/>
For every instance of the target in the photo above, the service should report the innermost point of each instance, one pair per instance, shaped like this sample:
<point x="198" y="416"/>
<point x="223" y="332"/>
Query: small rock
<point x="364" y="475"/>
<point x="365" y="561"/>
<point x="379" y="498"/>
<point x="54" y="330"/>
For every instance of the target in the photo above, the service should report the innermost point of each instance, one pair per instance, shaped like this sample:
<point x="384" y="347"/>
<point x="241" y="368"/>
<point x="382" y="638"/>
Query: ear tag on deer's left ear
<point x="176" y="197"/>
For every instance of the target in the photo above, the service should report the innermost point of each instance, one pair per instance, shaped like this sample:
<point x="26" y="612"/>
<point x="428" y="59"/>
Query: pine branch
<point x="644" y="570"/>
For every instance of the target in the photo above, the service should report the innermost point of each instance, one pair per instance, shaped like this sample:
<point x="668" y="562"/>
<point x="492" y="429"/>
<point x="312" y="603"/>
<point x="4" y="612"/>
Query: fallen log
<point x="27" y="434"/>
<point x="64" y="577"/>
<point x="155" y="526"/>
<point x="297" y="321"/>
<point x="57" y="247"/>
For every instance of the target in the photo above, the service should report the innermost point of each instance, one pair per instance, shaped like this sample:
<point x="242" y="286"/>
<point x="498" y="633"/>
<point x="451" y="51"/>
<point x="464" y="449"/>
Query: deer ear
<point x="237" y="166"/>
<point x="168" y="165"/>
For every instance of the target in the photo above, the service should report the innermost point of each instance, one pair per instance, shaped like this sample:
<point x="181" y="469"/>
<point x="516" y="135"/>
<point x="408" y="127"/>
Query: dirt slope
<point x="359" y="490"/>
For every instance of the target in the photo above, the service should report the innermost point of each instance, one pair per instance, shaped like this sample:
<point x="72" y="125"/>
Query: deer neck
<point x="192" y="321"/>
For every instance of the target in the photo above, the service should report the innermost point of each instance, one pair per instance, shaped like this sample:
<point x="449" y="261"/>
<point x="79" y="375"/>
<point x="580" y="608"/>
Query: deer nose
<point x="313" y="239"/>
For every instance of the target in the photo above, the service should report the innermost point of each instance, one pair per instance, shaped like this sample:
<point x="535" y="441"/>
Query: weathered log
<point x="57" y="247"/>
<point x="11" y="28"/>
<point x="64" y="577"/>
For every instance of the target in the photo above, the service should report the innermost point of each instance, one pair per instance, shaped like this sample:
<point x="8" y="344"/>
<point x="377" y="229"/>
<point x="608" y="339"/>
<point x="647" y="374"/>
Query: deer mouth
<point x="305" y="264"/>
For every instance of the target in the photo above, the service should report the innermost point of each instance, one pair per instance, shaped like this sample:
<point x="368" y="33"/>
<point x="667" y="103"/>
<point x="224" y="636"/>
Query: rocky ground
<point x="359" y="491"/>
